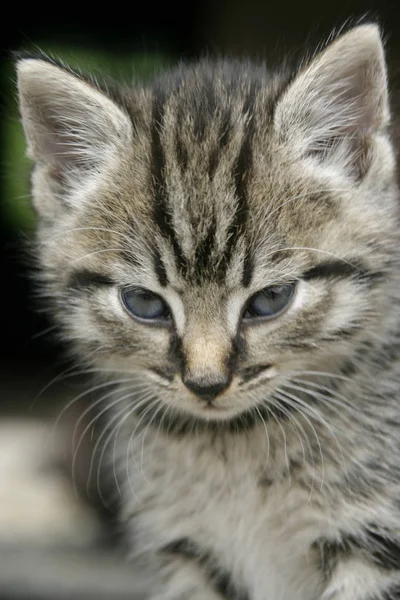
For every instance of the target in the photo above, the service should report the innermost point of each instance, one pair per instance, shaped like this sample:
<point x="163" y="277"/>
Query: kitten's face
<point x="226" y="239"/>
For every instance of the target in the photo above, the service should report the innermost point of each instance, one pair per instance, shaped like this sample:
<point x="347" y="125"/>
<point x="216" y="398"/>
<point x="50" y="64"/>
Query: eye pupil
<point x="143" y="304"/>
<point x="269" y="302"/>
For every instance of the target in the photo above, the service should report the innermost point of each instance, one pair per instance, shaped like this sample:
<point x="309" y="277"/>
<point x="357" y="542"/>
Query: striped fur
<point x="214" y="182"/>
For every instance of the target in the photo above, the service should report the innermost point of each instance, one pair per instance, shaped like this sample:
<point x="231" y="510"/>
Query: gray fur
<point x="218" y="180"/>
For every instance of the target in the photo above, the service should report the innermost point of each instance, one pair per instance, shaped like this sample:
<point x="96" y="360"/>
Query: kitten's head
<point x="221" y="229"/>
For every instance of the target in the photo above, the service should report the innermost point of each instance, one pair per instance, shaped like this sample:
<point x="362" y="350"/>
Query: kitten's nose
<point x="205" y="391"/>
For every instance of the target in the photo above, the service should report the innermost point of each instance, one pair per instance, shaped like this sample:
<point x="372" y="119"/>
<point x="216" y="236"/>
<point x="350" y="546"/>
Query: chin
<point x="215" y="413"/>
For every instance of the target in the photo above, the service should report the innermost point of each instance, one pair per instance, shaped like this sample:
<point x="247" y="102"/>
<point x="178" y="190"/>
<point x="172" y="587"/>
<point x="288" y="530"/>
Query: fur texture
<point x="217" y="181"/>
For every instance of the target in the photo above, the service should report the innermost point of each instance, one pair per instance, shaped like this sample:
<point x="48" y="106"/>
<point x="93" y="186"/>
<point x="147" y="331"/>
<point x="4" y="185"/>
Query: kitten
<point x="223" y="246"/>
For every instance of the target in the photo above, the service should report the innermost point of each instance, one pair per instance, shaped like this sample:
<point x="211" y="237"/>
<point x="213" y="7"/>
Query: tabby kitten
<point x="224" y="243"/>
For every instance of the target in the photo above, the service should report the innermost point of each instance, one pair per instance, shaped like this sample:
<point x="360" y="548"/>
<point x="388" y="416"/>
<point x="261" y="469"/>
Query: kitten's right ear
<point x="69" y="123"/>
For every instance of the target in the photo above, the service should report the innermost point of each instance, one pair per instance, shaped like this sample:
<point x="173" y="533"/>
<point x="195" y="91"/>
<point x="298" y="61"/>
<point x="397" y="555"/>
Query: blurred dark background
<point x="137" y="38"/>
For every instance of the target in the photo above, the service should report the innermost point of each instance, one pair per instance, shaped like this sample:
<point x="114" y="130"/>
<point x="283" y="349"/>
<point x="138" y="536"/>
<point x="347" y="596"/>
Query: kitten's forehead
<point x="204" y="127"/>
<point x="218" y="177"/>
<point x="208" y="191"/>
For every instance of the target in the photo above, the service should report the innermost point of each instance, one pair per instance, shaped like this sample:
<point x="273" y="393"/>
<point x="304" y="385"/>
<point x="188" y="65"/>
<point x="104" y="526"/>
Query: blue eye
<point x="269" y="302"/>
<point x="143" y="304"/>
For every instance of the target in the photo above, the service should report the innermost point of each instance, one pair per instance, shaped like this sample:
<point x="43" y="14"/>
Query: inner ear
<point x="338" y="103"/>
<point x="68" y="122"/>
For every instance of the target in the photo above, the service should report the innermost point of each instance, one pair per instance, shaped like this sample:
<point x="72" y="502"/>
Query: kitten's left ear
<point x="339" y="102"/>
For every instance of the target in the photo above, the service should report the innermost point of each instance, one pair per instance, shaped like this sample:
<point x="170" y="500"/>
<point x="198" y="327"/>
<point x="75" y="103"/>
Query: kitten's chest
<point x="259" y="532"/>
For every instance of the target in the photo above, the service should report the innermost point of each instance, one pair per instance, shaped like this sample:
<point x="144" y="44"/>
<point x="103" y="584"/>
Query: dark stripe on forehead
<point x="241" y="176"/>
<point x="224" y="135"/>
<point x="162" y="216"/>
<point x="248" y="268"/>
<point x="206" y="104"/>
<point x="160" y="269"/>
<point x="337" y="269"/>
<point x="203" y="253"/>
<point x="182" y="153"/>
<point x="241" y="170"/>
<point x="85" y="279"/>
<point x="242" y="167"/>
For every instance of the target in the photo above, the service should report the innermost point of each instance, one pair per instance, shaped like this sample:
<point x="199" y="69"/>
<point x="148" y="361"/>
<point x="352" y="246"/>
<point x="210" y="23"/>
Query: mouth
<point x="213" y="409"/>
<point x="211" y="406"/>
<point x="207" y="404"/>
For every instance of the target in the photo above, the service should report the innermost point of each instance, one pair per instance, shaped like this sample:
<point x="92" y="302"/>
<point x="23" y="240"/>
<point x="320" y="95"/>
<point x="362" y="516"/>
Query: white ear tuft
<point x="340" y="100"/>
<point x="67" y="121"/>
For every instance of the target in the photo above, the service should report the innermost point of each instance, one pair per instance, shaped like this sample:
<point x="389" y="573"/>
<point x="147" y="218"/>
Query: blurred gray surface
<point x="31" y="574"/>
<point x="53" y="543"/>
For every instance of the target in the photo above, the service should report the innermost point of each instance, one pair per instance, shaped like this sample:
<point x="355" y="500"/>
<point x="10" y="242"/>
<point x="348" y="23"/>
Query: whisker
<point x="298" y="427"/>
<point x="285" y="447"/>
<point x="76" y="371"/>
<point x="294" y="402"/>
<point x="58" y="377"/>
<point x="75" y="229"/>
<point x="151" y="406"/>
<point x="120" y="418"/>
<point x="123" y="420"/>
<point x="329" y="399"/>
<point x="43" y="332"/>
<point x="91" y="423"/>
<point x="321" y="373"/>
<point x="153" y="417"/>
<point x="85" y="256"/>
<point x="326" y="252"/>
<point x="167" y="408"/>
<point x="326" y="402"/>
<point x="109" y="424"/>
<point x="298" y="197"/>
<point x="266" y="434"/>
<point x="100" y="401"/>
<point x="79" y="397"/>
